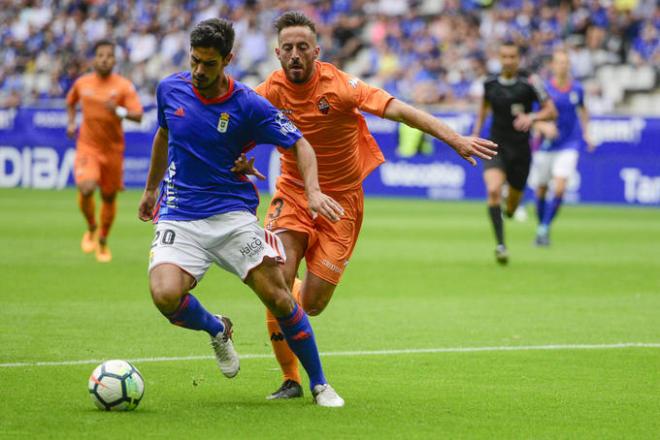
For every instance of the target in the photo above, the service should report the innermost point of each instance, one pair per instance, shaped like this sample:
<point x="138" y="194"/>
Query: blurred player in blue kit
<point x="205" y="213"/>
<point x="557" y="159"/>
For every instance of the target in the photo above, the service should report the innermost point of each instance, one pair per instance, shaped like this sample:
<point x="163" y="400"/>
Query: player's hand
<point x="146" y="208"/>
<point x="470" y="146"/>
<point x="245" y="166"/>
<point x="71" y="130"/>
<point x="319" y="203"/>
<point x="591" y="147"/>
<point x="523" y="122"/>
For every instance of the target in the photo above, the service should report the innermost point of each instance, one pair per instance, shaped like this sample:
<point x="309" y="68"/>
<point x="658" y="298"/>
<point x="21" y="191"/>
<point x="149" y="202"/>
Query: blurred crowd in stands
<point x="422" y="51"/>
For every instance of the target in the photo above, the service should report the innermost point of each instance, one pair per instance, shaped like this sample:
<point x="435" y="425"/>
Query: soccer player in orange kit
<point x="106" y="99"/>
<point x="325" y="104"/>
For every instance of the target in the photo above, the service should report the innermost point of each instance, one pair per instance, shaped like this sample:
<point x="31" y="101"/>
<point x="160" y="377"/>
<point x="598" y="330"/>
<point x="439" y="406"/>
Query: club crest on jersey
<point x="573" y="97"/>
<point x="223" y="122"/>
<point x="324" y="105"/>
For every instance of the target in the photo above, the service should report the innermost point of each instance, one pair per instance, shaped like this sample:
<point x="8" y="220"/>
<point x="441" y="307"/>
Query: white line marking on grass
<point x="359" y="353"/>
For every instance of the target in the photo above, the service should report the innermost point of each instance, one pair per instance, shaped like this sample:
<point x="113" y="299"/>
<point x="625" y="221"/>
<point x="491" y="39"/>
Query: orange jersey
<point x="326" y="109"/>
<point x="101" y="130"/>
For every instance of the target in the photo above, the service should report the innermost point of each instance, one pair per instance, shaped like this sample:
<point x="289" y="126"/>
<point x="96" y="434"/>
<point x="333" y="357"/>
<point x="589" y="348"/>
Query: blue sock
<point x="552" y="210"/>
<point x="540" y="208"/>
<point x="191" y="314"/>
<point x="300" y="337"/>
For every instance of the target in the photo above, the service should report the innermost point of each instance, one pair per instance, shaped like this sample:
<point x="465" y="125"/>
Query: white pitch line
<point x="359" y="353"/>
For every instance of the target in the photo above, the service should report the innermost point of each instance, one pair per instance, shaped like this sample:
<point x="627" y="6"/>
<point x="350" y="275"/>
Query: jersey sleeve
<point x="72" y="97"/>
<point x="368" y="98"/>
<point x="131" y="98"/>
<point x="271" y="126"/>
<point x="160" y="103"/>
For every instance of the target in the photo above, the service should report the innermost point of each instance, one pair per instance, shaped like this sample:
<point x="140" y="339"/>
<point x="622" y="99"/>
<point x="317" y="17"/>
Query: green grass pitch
<point x="423" y="276"/>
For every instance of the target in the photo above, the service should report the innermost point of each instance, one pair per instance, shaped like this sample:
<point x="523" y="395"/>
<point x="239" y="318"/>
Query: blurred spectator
<point x="428" y="51"/>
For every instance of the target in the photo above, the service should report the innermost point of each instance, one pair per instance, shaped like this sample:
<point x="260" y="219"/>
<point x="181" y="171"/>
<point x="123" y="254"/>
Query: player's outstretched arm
<point x="71" y="123"/>
<point x="317" y="202"/>
<point x="466" y="146"/>
<point x="583" y="114"/>
<point x="157" y="169"/>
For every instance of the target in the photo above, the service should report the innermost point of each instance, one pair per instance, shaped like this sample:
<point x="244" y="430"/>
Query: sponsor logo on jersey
<point x="223" y="122"/>
<point x="332" y="267"/>
<point x="252" y="248"/>
<point x="324" y="105"/>
<point x="517" y="109"/>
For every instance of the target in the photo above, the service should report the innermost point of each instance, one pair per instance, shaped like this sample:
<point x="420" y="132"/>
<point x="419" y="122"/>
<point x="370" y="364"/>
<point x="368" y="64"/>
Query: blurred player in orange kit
<point x="325" y="104"/>
<point x="106" y="99"/>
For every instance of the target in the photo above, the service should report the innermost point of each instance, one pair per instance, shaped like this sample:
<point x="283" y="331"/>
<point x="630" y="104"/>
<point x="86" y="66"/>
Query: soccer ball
<point x="116" y="386"/>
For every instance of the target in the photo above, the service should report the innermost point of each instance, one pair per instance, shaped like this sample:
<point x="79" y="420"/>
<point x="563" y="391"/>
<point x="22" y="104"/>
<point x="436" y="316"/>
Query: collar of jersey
<point x="217" y="99"/>
<point x="507" y="82"/>
<point x="555" y="84"/>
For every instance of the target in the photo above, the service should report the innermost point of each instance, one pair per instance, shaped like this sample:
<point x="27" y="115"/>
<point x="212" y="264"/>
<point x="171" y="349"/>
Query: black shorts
<point x="514" y="159"/>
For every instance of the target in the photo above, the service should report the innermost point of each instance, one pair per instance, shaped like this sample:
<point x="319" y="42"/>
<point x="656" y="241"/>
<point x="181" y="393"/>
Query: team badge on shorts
<point x="223" y="122"/>
<point x="324" y="105"/>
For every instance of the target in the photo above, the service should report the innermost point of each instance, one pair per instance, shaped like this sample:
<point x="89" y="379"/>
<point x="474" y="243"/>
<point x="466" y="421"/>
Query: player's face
<point x="509" y="59"/>
<point x="560" y="65"/>
<point x="104" y="60"/>
<point x="207" y="66"/>
<point x="297" y="50"/>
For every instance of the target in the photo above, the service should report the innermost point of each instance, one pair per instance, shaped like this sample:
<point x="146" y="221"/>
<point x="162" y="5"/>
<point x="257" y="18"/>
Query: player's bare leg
<point x="550" y="210"/>
<point x="295" y="244"/>
<point x="170" y="286"/>
<point x="494" y="179"/>
<point x="108" y="211"/>
<point x="268" y="283"/>
<point x="86" y="190"/>
<point x="512" y="201"/>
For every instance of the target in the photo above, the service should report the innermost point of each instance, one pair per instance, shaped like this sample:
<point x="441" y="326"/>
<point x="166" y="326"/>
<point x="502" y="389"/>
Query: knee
<point x="166" y="298"/>
<point x="315" y="307"/>
<point x="87" y="189"/>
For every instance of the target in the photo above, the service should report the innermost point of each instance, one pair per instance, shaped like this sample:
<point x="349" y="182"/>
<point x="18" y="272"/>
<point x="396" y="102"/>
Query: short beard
<point x="212" y="83"/>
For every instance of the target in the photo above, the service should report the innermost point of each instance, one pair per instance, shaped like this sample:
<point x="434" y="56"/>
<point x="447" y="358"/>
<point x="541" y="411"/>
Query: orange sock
<point x="108" y="211"/>
<point x="285" y="357"/>
<point x="88" y="208"/>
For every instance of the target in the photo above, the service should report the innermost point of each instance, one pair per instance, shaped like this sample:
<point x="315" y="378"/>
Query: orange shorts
<point x="104" y="169"/>
<point x="329" y="245"/>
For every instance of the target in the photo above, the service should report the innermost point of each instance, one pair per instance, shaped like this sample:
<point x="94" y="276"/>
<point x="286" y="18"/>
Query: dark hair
<point x="214" y="32"/>
<point x="103" y="42"/>
<point x="510" y="43"/>
<point x="293" y="18"/>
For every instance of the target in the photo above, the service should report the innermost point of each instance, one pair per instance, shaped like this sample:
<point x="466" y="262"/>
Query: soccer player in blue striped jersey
<point x="205" y="213"/>
<point x="556" y="161"/>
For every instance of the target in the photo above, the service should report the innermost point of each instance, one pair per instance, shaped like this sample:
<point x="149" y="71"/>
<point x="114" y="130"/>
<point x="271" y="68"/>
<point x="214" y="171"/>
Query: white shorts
<point x="549" y="164"/>
<point x="234" y="241"/>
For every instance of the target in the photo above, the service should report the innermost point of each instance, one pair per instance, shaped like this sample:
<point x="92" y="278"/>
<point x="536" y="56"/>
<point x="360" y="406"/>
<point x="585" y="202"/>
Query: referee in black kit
<point x="510" y="96"/>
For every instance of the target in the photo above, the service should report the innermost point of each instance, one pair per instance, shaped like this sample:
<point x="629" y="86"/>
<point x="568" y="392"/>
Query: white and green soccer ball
<point x="116" y="386"/>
